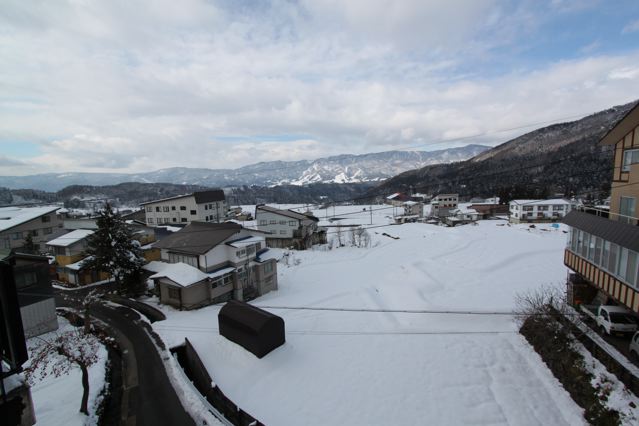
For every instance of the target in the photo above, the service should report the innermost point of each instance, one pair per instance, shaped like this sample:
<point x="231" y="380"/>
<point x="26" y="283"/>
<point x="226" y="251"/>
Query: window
<point x="47" y="231"/>
<point x="282" y="222"/>
<point x="583" y="250"/>
<point x="627" y="208"/>
<point x="630" y="156"/>
<point x="16" y="236"/>
<point x="4" y="243"/>
<point x="268" y="267"/>
<point x="282" y="232"/>
<point x="46" y="219"/>
<point x="598" y="244"/>
<point x="34" y="233"/>
<point x="273" y="222"/>
<point x="591" y="248"/>
<point x="263" y="222"/>
<point x="604" y="254"/>
<point x="557" y="208"/>
<point x="193" y="212"/>
<point x="150" y="220"/>
<point x="157" y="209"/>
<point x="528" y="208"/>
<point x="173" y="208"/>
<point x="612" y="260"/>
<point x="631" y="269"/>
<point x="183" y="219"/>
<point x="149" y="209"/>
<point x="189" y="260"/>
<point x="291" y="223"/>
<point x="206" y="206"/>
<point x="542" y="208"/>
<point x="622" y="264"/>
<point x="175" y="219"/>
<point x="183" y="208"/>
<point x="165" y="208"/>
<point x="174" y="293"/>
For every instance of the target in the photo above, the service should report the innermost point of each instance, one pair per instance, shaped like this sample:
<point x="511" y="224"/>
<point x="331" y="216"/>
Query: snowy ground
<point x="57" y="399"/>
<point x="382" y="368"/>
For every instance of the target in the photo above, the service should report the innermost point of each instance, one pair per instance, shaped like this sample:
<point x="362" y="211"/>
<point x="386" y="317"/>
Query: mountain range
<point x="348" y="168"/>
<point x="562" y="159"/>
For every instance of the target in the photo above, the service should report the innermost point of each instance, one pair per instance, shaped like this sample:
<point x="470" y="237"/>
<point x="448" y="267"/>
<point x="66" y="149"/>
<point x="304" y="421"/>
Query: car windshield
<point x="619" y="318"/>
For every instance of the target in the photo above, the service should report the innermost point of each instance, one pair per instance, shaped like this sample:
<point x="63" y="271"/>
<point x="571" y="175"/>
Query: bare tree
<point x="91" y="299"/>
<point x="58" y="355"/>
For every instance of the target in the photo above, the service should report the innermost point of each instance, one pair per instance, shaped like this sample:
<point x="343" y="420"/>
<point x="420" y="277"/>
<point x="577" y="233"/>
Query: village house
<point x="528" y="211"/>
<point x="208" y="263"/>
<point x="397" y="199"/>
<point x="288" y="228"/>
<point x="443" y="204"/>
<point x="461" y="215"/>
<point x="32" y="277"/>
<point x="69" y="251"/>
<point x="201" y="206"/>
<point x="17" y="222"/>
<point x="604" y="252"/>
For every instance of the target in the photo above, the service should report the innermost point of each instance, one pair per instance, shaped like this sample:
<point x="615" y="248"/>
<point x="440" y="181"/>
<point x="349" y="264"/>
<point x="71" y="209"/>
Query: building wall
<point x="537" y="212"/>
<point x="277" y="225"/>
<point x="184" y="210"/>
<point x="46" y="231"/>
<point x="39" y="318"/>
<point x="625" y="183"/>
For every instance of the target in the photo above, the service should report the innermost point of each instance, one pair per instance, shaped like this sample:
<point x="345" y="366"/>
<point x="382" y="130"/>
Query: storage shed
<point x="256" y="330"/>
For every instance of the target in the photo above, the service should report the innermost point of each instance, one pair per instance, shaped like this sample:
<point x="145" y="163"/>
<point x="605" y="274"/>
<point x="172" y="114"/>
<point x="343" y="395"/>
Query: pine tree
<point x="113" y="250"/>
<point x="29" y="245"/>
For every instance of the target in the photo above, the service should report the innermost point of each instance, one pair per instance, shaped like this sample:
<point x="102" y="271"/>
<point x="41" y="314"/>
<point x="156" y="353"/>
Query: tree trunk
<point x="85" y="390"/>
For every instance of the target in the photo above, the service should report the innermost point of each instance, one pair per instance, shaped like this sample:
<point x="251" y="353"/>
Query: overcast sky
<point x="135" y="85"/>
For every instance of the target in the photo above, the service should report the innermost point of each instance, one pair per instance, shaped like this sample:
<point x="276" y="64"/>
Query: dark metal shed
<point x="254" y="329"/>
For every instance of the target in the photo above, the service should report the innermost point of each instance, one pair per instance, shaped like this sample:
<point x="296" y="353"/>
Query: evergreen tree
<point x="29" y="245"/>
<point x="113" y="250"/>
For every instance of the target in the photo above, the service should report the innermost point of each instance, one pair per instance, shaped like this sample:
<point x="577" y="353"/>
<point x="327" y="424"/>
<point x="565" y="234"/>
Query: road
<point x="148" y="398"/>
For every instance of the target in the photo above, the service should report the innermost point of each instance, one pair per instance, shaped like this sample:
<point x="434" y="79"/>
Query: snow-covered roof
<point x="77" y="265"/>
<point x="540" y="202"/>
<point x="181" y="274"/>
<point x="410" y="203"/>
<point x="266" y="255"/>
<point x="14" y="216"/>
<point x="70" y="238"/>
<point x="393" y="196"/>
<point x="155" y="266"/>
<point x="245" y="242"/>
<point x="221" y="272"/>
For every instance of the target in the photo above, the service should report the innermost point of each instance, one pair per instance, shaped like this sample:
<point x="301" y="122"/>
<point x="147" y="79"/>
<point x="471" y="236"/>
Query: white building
<point x="287" y="228"/>
<point x="17" y="222"/>
<point x="202" y="206"/>
<point x="538" y="210"/>
<point x="413" y="208"/>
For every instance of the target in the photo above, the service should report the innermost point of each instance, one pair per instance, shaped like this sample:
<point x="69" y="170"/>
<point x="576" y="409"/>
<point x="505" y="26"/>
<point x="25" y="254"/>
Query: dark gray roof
<point x="288" y="213"/>
<point x="610" y="230"/>
<point x="198" y="237"/>
<point x="209" y="196"/>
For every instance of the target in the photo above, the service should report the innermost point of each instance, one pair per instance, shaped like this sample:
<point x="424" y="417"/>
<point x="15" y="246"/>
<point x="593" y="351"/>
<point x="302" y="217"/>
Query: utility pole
<point x="371" y="209"/>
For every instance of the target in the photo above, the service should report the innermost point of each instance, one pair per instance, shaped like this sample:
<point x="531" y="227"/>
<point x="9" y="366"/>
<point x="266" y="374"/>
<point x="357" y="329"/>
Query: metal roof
<point x="610" y="230"/>
<point x="198" y="237"/>
<point x="201" y="197"/>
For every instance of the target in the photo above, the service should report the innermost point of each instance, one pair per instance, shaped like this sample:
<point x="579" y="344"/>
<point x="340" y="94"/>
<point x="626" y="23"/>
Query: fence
<point x="197" y="373"/>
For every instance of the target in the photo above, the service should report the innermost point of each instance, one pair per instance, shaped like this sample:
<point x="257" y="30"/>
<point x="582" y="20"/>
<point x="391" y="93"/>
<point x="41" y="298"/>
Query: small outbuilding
<point x="256" y="330"/>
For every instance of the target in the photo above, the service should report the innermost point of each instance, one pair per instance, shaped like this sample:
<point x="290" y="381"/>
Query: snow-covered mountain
<point x="338" y="169"/>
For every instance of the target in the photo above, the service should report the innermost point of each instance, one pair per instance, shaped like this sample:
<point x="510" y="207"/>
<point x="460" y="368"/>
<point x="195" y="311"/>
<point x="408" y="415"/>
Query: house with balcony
<point x="531" y="211"/>
<point x="288" y="228"/>
<point x="201" y="206"/>
<point x="16" y="223"/>
<point x="603" y="252"/>
<point x="207" y="263"/>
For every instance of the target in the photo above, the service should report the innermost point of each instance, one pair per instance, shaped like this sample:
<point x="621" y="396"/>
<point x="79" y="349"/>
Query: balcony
<point x="606" y="253"/>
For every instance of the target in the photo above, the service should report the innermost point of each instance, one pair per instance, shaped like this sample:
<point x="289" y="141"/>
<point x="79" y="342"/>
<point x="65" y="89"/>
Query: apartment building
<point x="288" y="228"/>
<point x="603" y="252"/>
<point x="443" y="204"/>
<point x="528" y="211"/>
<point x="17" y="222"/>
<point x="202" y="206"/>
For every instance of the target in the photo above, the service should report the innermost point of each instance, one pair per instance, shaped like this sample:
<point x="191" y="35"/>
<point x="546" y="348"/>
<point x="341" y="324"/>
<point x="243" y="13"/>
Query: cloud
<point x="131" y="87"/>
<point x="631" y="27"/>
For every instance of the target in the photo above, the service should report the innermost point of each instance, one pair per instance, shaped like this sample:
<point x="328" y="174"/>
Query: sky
<point x="138" y="85"/>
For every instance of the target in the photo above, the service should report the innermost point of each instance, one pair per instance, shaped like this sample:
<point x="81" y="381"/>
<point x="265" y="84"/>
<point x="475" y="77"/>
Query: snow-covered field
<point x="397" y="368"/>
<point x="57" y="399"/>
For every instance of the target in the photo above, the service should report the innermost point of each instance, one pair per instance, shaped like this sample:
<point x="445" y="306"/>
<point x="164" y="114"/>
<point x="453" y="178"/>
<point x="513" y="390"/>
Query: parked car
<point x="611" y="319"/>
<point x="634" y="347"/>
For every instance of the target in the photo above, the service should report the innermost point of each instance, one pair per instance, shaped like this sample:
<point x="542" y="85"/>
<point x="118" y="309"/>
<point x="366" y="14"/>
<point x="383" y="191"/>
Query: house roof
<point x="198" y="237"/>
<point x="540" y="202"/>
<point x="243" y="242"/>
<point x="623" y="127"/>
<point x="288" y="213"/>
<point x="71" y="238"/>
<point x="78" y="265"/>
<point x="201" y="197"/>
<point x="181" y="274"/>
<point x="610" y="230"/>
<point x="14" y="216"/>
